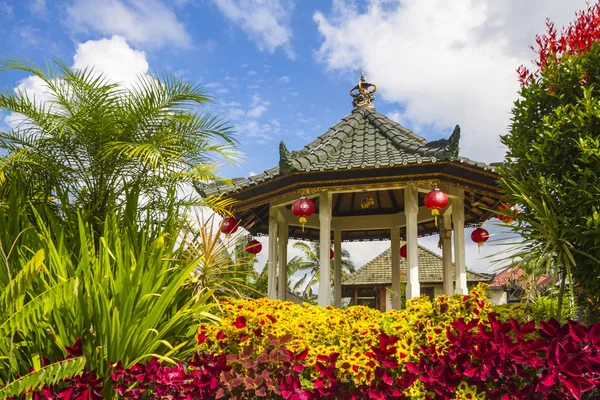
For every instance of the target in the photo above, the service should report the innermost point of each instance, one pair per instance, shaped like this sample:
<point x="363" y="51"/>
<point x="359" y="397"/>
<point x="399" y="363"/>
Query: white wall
<point x="497" y="296"/>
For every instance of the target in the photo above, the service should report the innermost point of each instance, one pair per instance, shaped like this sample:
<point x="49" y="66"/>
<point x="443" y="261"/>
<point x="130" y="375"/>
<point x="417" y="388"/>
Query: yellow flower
<point x="351" y="332"/>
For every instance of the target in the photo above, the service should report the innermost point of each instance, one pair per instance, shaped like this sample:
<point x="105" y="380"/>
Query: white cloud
<point x="112" y="57"/>
<point x="265" y="21"/>
<point x="251" y="72"/>
<point x="447" y="63"/>
<point x="251" y="173"/>
<point x="257" y="107"/>
<point x="37" y="91"/>
<point x="254" y="129"/>
<point x="143" y="22"/>
<point x="284" y="79"/>
<point x="256" y="112"/>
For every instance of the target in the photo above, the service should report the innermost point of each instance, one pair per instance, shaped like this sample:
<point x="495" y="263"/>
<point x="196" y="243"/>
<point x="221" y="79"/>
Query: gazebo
<point x="367" y="177"/>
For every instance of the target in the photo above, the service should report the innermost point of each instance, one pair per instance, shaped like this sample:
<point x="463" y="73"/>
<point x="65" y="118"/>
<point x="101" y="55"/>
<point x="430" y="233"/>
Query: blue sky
<point x="282" y="69"/>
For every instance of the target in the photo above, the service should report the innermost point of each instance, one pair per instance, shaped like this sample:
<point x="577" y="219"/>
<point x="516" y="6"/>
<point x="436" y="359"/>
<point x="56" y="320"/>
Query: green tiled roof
<point x="378" y="271"/>
<point x="362" y="139"/>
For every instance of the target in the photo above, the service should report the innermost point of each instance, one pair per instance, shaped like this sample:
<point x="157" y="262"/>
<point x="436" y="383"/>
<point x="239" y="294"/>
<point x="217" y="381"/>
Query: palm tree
<point x="309" y="264"/>
<point x="93" y="139"/>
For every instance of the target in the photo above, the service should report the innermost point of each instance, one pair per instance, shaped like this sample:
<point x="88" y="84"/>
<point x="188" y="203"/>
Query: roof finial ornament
<point x="361" y="93"/>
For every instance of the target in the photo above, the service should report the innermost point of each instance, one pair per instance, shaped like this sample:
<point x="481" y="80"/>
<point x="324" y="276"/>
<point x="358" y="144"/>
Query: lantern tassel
<point x="302" y="221"/>
<point x="435" y="214"/>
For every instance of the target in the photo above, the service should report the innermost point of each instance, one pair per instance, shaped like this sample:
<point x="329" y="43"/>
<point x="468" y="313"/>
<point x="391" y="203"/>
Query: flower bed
<point x="448" y="348"/>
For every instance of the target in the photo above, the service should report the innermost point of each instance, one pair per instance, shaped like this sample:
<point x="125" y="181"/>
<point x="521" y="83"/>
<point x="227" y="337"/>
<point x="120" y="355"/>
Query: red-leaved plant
<point x="500" y="360"/>
<point x="577" y="37"/>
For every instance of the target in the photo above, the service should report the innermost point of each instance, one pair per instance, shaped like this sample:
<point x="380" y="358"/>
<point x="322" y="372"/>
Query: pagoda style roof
<point x="378" y="272"/>
<point x="365" y="151"/>
<point x="363" y="139"/>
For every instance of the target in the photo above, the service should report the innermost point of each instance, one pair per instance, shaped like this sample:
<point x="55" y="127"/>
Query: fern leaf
<point x="29" y="316"/>
<point x="15" y="291"/>
<point x="48" y="375"/>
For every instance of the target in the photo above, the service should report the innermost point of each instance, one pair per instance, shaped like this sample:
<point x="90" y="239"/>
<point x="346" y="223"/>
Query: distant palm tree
<point x="261" y="280"/>
<point x="309" y="263"/>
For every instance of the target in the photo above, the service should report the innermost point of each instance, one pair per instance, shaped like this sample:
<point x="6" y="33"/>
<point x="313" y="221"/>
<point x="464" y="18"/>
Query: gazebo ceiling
<point x="364" y="151"/>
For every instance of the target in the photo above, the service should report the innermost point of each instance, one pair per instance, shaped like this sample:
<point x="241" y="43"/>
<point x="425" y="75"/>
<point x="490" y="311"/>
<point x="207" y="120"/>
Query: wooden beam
<point x="451" y="191"/>
<point x="324" y="296"/>
<point x="412" y="250"/>
<point x="287" y="200"/>
<point x="458" y="222"/>
<point x="337" y="274"/>
<point x="393" y="200"/>
<point x="359" y="222"/>
<point x="338" y="202"/>
<point x="272" y="261"/>
<point x="395" y="249"/>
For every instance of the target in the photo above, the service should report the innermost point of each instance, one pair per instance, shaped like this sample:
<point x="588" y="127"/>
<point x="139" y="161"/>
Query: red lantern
<point x="435" y="201"/>
<point x="480" y="236"/>
<point x="253" y="246"/>
<point x="303" y="208"/>
<point x="331" y="254"/>
<point x="504" y="208"/>
<point x="229" y="225"/>
<point x="403" y="251"/>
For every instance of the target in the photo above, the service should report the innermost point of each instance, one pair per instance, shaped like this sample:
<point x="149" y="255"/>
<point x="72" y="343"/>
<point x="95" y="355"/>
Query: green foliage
<point x="542" y="308"/>
<point x="546" y="307"/>
<point x="128" y="294"/>
<point x="552" y="170"/>
<point x="48" y="375"/>
<point x="309" y="262"/>
<point x="224" y="267"/>
<point x="28" y="317"/>
<point x="92" y="139"/>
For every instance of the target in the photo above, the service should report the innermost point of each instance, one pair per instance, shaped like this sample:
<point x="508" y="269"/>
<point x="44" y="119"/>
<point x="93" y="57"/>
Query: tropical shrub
<point x="351" y="333"/>
<point x="87" y="139"/>
<point x="552" y="169"/>
<point x="127" y="295"/>
<point x="450" y="348"/>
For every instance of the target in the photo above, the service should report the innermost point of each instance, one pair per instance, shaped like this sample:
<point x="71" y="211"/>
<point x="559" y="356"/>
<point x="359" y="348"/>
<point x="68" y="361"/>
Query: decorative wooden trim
<point x="351" y="183"/>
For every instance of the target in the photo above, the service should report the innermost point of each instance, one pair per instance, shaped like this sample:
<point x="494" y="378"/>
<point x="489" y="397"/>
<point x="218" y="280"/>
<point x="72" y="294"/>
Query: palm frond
<point x="14" y="293"/>
<point x="32" y="313"/>
<point x="48" y="375"/>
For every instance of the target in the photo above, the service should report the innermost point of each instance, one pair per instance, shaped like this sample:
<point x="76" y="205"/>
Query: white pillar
<point x="446" y="234"/>
<point x="337" y="268"/>
<point x="395" y="249"/>
<point x="458" y="220"/>
<point x="272" y="261"/>
<point x="411" y="208"/>
<point x="325" y="243"/>
<point x="283" y="243"/>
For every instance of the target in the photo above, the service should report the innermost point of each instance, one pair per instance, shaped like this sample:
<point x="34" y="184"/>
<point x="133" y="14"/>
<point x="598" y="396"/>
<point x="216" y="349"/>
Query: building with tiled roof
<point x="507" y="286"/>
<point x="371" y="284"/>
<point x="365" y="178"/>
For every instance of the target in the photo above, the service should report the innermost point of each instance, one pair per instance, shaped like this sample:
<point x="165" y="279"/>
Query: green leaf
<point x="48" y="375"/>
<point x="15" y="291"/>
<point x="30" y="316"/>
